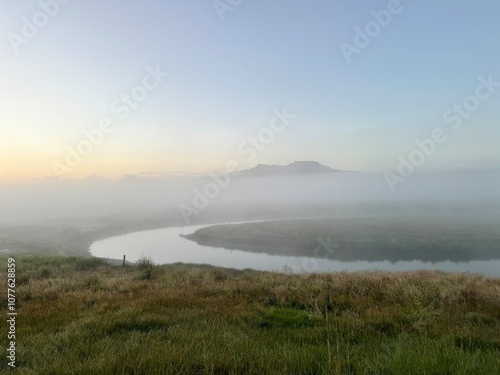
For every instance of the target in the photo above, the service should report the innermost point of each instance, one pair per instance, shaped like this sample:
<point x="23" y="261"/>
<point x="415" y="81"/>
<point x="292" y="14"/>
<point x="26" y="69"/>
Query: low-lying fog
<point x="51" y="199"/>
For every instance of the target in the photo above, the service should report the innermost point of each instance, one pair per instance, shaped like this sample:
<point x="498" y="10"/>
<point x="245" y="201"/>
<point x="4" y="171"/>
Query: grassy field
<point x="373" y="238"/>
<point x="71" y="237"/>
<point x="83" y="316"/>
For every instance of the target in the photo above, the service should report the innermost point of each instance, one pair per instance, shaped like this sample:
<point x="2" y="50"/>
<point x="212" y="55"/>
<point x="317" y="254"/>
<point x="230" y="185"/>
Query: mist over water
<point x="464" y="203"/>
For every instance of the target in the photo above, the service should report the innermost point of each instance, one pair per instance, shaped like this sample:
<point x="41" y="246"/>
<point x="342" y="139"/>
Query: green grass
<point x="82" y="316"/>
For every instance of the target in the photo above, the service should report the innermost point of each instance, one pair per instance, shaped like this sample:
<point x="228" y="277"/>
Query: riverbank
<point x="74" y="236"/>
<point x="85" y="316"/>
<point x="168" y="245"/>
<point x="426" y="238"/>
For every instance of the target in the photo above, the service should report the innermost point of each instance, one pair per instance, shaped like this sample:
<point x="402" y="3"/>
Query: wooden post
<point x="124" y="261"/>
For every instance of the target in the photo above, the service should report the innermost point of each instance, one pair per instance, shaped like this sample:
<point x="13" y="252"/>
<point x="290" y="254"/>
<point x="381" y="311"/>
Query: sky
<point x="207" y="75"/>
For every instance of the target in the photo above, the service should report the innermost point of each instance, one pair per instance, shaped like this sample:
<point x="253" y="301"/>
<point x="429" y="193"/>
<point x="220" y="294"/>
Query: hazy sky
<point x="226" y="78"/>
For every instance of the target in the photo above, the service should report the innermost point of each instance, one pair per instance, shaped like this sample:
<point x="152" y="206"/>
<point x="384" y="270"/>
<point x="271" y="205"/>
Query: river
<point x="166" y="246"/>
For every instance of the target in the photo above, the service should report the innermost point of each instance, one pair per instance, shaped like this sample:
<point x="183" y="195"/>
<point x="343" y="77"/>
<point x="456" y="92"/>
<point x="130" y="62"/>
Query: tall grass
<point x="86" y="317"/>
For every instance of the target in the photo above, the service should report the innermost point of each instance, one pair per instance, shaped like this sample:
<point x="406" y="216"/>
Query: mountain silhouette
<point x="296" y="168"/>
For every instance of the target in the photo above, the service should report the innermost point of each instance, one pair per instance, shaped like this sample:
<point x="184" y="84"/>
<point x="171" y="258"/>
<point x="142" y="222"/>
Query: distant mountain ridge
<point x="295" y="168"/>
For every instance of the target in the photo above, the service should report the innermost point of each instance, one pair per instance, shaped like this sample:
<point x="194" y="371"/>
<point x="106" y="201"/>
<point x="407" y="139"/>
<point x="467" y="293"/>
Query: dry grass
<point x="84" y="316"/>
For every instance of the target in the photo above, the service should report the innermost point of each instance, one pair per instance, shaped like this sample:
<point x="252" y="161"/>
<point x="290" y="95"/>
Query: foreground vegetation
<point x="84" y="316"/>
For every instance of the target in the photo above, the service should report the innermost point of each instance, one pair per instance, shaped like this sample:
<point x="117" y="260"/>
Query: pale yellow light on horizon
<point x="37" y="163"/>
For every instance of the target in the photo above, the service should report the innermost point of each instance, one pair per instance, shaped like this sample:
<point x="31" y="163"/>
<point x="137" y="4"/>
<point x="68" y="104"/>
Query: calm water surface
<point x="166" y="246"/>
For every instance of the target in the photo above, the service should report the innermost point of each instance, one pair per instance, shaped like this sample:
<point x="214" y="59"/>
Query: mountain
<point x="296" y="168"/>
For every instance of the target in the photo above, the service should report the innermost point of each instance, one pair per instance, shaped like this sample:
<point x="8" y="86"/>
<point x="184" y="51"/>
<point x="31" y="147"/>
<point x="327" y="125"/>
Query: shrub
<point x="145" y="265"/>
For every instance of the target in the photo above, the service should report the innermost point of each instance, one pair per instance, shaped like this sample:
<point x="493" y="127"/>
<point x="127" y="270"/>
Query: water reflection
<point x="166" y="246"/>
